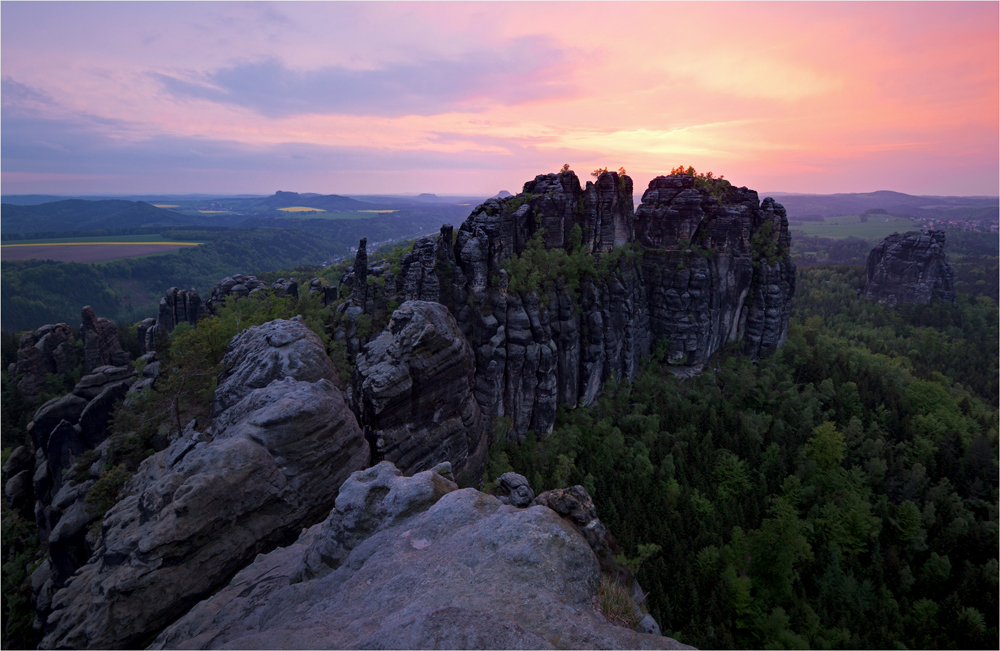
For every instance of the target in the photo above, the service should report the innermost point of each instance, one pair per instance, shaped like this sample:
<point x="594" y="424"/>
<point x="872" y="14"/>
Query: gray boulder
<point x="20" y="459"/>
<point x="19" y="494"/>
<point x="514" y="489"/>
<point x="90" y="386"/>
<point x="436" y="568"/>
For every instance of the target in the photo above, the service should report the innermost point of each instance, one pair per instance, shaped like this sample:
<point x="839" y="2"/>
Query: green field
<point x="877" y="226"/>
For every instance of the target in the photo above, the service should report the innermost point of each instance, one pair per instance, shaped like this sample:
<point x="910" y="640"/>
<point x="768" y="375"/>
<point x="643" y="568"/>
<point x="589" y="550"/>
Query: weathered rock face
<point x="100" y="342"/>
<point x="910" y="268"/>
<point x="62" y="430"/>
<point x="201" y="509"/>
<point x="413" y="392"/>
<point x="265" y="353"/>
<point x="50" y="349"/>
<point x="699" y="274"/>
<point x="413" y="562"/>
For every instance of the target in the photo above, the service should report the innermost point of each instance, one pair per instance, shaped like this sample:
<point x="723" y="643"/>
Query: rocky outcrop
<point x="46" y="486"/>
<point x="100" y="342"/>
<point x="50" y="349"/>
<point x="414" y="562"/>
<point x="273" y="351"/>
<point x="359" y="286"/>
<point x="413" y="392"/>
<point x="909" y="268"/>
<point x="198" y="511"/>
<point x="685" y="274"/>
<point x="236" y="285"/>
<point x="185" y="305"/>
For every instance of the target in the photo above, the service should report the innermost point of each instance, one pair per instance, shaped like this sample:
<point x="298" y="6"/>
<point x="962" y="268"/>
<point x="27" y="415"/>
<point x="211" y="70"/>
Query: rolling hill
<point x="81" y="215"/>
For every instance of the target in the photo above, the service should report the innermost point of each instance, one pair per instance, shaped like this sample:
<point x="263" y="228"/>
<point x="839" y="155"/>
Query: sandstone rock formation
<point x="185" y="305"/>
<point x="909" y="268"/>
<point x="413" y="391"/>
<point x="265" y="353"/>
<point x="45" y="488"/>
<point x="413" y="562"/>
<point x="201" y="509"/>
<point x="100" y="342"/>
<point x="50" y="349"/>
<point x="697" y="274"/>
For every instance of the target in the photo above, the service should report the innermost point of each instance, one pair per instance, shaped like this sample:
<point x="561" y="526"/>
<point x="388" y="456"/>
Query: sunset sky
<point x="472" y="98"/>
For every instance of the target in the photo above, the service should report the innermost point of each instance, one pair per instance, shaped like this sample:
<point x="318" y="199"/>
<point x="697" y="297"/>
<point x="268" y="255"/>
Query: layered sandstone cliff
<point x="683" y="275"/>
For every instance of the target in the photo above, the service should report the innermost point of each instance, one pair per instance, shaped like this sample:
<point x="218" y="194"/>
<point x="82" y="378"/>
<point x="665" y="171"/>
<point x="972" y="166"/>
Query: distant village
<point x="977" y="225"/>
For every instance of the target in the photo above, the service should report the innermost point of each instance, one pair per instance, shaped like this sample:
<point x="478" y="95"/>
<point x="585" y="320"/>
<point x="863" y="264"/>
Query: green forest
<point x="840" y="494"/>
<point x="36" y="292"/>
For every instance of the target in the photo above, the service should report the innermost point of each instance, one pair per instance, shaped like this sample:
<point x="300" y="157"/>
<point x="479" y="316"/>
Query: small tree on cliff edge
<point x="717" y="186"/>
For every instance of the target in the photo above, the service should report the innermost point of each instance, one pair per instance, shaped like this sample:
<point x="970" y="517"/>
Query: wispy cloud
<point x="16" y="95"/>
<point x="528" y="69"/>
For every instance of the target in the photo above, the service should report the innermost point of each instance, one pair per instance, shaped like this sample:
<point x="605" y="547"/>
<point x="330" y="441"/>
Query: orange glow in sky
<point x="471" y="98"/>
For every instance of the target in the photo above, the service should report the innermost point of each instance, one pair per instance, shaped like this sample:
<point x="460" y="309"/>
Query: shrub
<point x="617" y="604"/>
<point x="103" y="495"/>
<point x="717" y="186"/>
<point x="20" y="545"/>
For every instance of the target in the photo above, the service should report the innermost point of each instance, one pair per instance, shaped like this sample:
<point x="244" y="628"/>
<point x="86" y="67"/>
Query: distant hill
<point x="503" y="194"/>
<point x="35" y="199"/>
<point x="80" y="215"/>
<point x="309" y="200"/>
<point x="894" y="203"/>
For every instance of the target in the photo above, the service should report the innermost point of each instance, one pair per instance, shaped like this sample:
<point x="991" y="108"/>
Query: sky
<point x="474" y="98"/>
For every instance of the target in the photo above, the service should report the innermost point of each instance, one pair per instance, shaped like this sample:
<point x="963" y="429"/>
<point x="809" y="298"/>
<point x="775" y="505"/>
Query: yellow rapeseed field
<point x="301" y="209"/>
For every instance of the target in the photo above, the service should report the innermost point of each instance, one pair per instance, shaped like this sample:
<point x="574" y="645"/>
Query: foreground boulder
<point x="204" y="507"/>
<point x="414" y="562"/>
<point x="909" y="268"/>
<point x="414" y="393"/>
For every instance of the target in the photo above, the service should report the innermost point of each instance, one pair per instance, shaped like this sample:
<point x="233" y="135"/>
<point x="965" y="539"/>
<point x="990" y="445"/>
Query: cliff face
<point x="909" y="268"/>
<point x="695" y="275"/>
